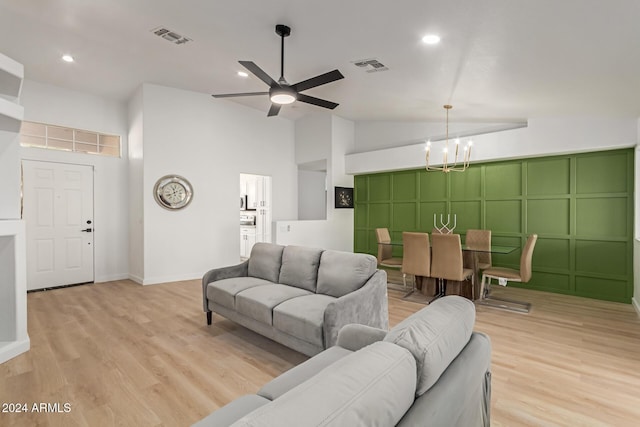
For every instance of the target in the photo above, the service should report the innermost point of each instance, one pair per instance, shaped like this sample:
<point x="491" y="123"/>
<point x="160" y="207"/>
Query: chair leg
<point x="209" y="317"/>
<point x="490" y="301"/>
<point x="481" y="296"/>
<point x="413" y="285"/>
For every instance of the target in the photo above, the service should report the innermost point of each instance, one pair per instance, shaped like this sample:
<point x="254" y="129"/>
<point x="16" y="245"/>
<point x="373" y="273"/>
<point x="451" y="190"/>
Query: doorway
<point x="58" y="212"/>
<point x="255" y="212"/>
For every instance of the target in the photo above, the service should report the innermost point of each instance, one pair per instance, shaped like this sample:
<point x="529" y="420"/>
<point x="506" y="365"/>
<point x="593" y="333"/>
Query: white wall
<point x="323" y="136"/>
<point x="376" y="135"/>
<point x="54" y="105"/>
<point x="209" y="142"/>
<point x="542" y="136"/>
<point x="343" y="141"/>
<point x="313" y="138"/>
<point x="312" y="195"/>
<point x="136" y="171"/>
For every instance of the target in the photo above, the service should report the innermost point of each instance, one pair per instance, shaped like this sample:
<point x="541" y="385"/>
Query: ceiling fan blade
<point x="274" y="110"/>
<point x="231" y="95"/>
<point x="258" y="72"/>
<point x="322" y="79"/>
<point x="317" y="101"/>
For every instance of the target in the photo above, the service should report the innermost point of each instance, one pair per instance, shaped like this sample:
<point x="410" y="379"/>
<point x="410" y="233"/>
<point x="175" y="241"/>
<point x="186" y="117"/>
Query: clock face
<point x="173" y="192"/>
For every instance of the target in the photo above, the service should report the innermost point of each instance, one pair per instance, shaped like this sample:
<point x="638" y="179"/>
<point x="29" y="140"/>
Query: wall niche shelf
<point x="11" y="75"/>
<point x="14" y="338"/>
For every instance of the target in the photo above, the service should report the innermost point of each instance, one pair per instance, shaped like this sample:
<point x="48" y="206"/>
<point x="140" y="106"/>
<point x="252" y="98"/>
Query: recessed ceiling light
<point x="67" y="58"/>
<point x="431" y="39"/>
<point x="243" y="74"/>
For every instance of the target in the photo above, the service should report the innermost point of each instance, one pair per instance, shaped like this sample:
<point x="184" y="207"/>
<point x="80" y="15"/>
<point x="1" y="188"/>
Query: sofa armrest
<point x="354" y="336"/>
<point x="366" y="306"/>
<point x="240" y="270"/>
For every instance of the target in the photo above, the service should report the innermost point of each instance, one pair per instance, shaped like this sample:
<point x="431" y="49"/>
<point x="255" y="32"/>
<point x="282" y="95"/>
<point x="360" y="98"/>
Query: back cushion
<point x="341" y="273"/>
<point x="435" y="335"/>
<point x="265" y="261"/>
<point x="372" y="387"/>
<point x="300" y="267"/>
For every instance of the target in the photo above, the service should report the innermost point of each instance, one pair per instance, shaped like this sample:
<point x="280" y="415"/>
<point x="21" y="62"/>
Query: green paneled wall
<point x="581" y="207"/>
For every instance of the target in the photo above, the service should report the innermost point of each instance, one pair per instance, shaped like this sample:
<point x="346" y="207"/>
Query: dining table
<point x="470" y="256"/>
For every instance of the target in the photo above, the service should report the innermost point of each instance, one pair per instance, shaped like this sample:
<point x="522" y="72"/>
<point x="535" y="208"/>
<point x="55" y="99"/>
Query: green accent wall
<point x="580" y="205"/>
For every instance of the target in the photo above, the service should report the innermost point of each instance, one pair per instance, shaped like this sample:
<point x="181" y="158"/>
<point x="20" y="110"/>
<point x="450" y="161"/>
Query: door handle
<point x="88" y="230"/>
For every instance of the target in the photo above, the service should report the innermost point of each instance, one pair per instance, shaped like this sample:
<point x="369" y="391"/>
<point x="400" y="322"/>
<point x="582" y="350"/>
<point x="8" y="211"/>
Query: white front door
<point x="58" y="212"/>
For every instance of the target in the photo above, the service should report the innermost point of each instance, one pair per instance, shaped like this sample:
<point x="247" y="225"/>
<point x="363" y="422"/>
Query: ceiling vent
<point x="371" y="65"/>
<point x="171" y="36"/>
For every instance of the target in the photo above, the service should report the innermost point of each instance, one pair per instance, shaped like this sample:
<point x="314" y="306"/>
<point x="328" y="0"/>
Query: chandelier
<point x="447" y="166"/>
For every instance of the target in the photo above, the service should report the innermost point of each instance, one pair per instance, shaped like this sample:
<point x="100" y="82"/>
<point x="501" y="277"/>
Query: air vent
<point x="171" y="36"/>
<point x="371" y="65"/>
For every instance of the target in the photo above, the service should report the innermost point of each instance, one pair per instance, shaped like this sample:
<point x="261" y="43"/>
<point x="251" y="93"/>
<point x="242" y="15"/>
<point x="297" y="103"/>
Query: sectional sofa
<point x="429" y="370"/>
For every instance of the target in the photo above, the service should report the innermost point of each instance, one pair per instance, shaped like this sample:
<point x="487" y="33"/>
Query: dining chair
<point x="385" y="255"/>
<point x="480" y="240"/>
<point x="416" y="257"/>
<point x="504" y="275"/>
<point x="447" y="263"/>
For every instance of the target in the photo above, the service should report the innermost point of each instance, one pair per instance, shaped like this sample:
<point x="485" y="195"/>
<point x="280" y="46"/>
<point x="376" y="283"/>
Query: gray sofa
<point x="430" y="370"/>
<point x="299" y="296"/>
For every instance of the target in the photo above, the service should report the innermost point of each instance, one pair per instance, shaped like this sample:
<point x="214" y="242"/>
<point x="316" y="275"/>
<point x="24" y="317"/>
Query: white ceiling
<point x="499" y="60"/>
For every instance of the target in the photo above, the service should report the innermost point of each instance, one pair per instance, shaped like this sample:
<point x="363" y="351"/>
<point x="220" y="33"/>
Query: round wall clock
<point x="173" y="192"/>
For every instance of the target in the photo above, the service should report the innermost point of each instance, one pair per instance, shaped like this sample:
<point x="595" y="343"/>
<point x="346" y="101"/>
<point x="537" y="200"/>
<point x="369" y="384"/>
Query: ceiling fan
<point x="281" y="92"/>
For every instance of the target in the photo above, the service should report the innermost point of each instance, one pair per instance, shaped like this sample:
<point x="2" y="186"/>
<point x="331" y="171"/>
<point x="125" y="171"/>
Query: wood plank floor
<point x="126" y="355"/>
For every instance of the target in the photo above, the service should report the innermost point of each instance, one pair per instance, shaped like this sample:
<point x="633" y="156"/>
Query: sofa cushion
<point x="258" y="302"/>
<point x="435" y="335"/>
<point x="233" y="411"/>
<point x="300" y="267"/>
<point x="265" y="261"/>
<point x="371" y="387"/>
<point x="341" y="273"/>
<point x="303" y="317"/>
<point x="224" y="291"/>
<point x="299" y="374"/>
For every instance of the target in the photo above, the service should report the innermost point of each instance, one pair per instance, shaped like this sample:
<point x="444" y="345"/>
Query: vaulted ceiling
<point x="498" y="60"/>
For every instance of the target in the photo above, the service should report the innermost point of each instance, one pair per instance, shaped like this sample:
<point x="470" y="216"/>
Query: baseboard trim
<point x="176" y="278"/>
<point x="136" y="279"/>
<point x="11" y="349"/>
<point x="636" y="305"/>
<point x="112" y="278"/>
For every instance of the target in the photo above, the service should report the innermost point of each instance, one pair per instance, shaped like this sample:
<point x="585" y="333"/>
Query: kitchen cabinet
<point x="263" y="192"/>
<point x="247" y="240"/>
<point x="263" y="225"/>
<point x="258" y="191"/>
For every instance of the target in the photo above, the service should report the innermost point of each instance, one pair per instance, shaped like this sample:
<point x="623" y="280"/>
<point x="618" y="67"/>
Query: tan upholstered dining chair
<point x="416" y="256"/>
<point x="480" y="240"/>
<point x="446" y="261"/>
<point x="385" y="255"/>
<point x="504" y="275"/>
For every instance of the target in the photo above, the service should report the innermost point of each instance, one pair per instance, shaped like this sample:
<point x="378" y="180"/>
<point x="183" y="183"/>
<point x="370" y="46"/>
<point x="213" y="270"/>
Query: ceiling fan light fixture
<point x="282" y="95"/>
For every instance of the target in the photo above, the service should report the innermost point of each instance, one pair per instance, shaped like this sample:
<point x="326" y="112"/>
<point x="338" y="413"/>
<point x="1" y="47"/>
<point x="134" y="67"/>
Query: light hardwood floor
<point x="127" y="355"/>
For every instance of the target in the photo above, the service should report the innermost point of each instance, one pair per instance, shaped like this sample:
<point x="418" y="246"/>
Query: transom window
<point x="40" y="135"/>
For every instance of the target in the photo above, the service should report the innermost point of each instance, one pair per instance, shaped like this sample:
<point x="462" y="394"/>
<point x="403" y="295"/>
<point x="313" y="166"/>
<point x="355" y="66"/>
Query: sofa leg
<point x="209" y="316"/>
